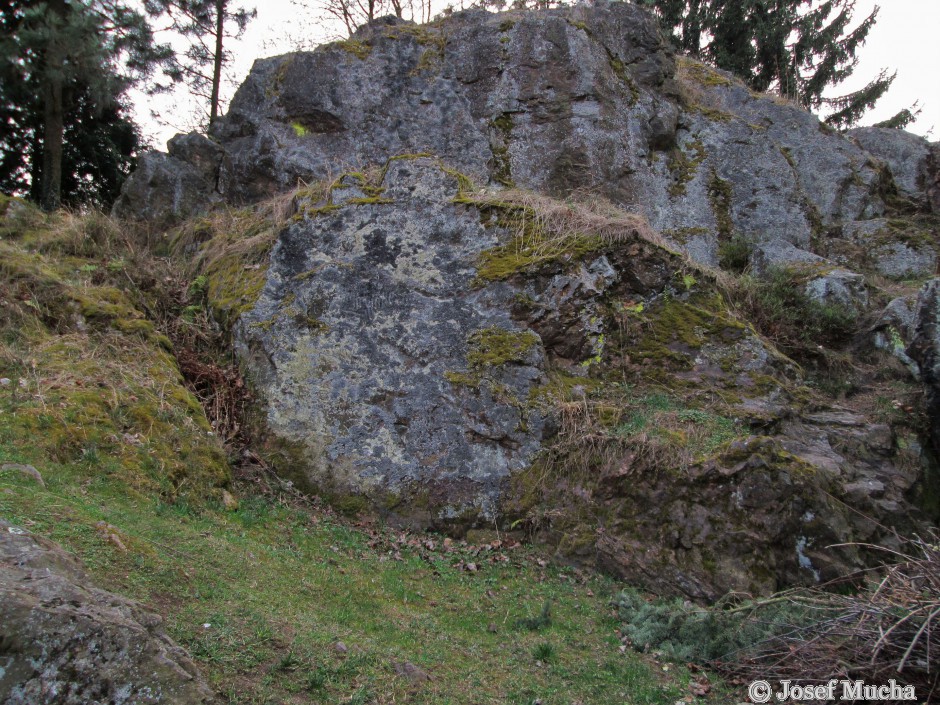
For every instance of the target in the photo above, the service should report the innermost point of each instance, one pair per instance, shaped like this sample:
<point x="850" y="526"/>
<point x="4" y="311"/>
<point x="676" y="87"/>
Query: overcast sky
<point x="904" y="39"/>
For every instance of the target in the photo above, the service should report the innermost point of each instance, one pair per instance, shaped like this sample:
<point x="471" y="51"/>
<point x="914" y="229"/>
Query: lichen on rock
<point x="367" y="394"/>
<point x="67" y="642"/>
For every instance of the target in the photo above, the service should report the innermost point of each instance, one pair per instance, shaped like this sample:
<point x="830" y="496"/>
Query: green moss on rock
<point x="701" y="73"/>
<point x="684" y="166"/>
<point x="502" y="125"/>
<point x="361" y="50"/>
<point x="720" y="195"/>
<point x="102" y="393"/>
<point x="530" y="247"/>
<point x="492" y="347"/>
<point x="677" y="329"/>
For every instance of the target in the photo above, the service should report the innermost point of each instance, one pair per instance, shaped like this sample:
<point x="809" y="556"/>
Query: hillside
<point x="443" y="336"/>
<point x="275" y="597"/>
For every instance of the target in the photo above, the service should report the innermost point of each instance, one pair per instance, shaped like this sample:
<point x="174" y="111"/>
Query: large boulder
<point x="66" y="642"/>
<point x="397" y="378"/>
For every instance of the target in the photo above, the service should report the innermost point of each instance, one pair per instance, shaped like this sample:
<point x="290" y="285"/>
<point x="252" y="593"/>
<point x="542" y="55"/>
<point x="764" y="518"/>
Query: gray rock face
<point x="398" y="377"/>
<point x="933" y="178"/>
<point x="763" y="515"/>
<point x="780" y="253"/>
<point x="899" y="260"/>
<point x="906" y="155"/>
<point x="166" y="188"/>
<point x="67" y="643"/>
<point x="925" y="350"/>
<point x="894" y="253"/>
<point x="839" y="287"/>
<point x="545" y="100"/>
<point x="894" y="330"/>
<point x="580" y="97"/>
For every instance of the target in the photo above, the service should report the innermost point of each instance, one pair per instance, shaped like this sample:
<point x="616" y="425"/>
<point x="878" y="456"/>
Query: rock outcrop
<point x="583" y="97"/>
<point x="66" y="642"/>
<point x="925" y="350"/>
<point x="911" y="160"/>
<point x="432" y="343"/>
<point x="167" y="188"/>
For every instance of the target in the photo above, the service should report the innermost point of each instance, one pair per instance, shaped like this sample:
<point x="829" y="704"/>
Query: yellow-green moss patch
<point x="491" y="347"/>
<point x="684" y="165"/>
<point x="361" y="50"/>
<point x="701" y="73"/>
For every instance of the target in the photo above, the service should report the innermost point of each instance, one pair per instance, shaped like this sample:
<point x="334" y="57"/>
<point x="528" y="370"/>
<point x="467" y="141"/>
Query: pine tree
<point x="206" y="23"/>
<point x="799" y="48"/>
<point x="60" y="58"/>
<point x="98" y="152"/>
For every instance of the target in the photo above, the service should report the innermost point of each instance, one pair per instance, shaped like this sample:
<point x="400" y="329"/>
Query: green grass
<point x="700" y="432"/>
<point x="279" y="585"/>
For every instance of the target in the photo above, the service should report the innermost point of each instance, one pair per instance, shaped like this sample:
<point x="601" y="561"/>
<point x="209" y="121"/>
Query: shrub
<point x="889" y="628"/>
<point x="780" y="308"/>
<point x="734" y="255"/>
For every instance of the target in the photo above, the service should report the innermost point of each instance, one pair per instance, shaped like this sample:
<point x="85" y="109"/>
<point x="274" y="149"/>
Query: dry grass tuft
<point x="543" y="222"/>
<point x="545" y="225"/>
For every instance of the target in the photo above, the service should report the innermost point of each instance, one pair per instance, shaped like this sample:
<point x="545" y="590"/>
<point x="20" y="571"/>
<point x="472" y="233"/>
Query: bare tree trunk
<point x="53" y="118"/>
<point x="217" y="63"/>
<point x="53" y="132"/>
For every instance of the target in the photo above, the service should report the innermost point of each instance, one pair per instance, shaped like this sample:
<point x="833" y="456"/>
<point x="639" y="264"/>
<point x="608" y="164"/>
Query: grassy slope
<point x="280" y="585"/>
<point x="95" y="401"/>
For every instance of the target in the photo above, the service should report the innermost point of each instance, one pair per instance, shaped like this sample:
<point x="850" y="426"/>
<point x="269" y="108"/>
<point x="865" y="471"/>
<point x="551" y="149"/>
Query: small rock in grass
<point x="411" y="672"/>
<point x="28" y="470"/>
<point x="229" y="501"/>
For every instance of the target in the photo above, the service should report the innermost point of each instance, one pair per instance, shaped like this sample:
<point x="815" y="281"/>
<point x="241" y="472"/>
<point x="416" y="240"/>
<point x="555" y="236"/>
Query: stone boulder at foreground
<point x="371" y="345"/>
<point x="66" y="642"/>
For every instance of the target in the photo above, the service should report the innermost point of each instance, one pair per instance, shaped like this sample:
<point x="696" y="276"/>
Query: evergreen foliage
<point x="204" y="24"/>
<point x="99" y="150"/>
<point x="688" y="633"/>
<point x="64" y="67"/>
<point x="799" y="48"/>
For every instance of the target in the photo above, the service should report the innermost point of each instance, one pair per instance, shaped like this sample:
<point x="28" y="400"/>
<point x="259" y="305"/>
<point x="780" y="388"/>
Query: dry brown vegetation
<point x="876" y="626"/>
<point x="890" y="629"/>
<point x="581" y="214"/>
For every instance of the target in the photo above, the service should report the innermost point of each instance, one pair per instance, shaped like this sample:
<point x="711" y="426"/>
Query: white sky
<point x="903" y="39"/>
